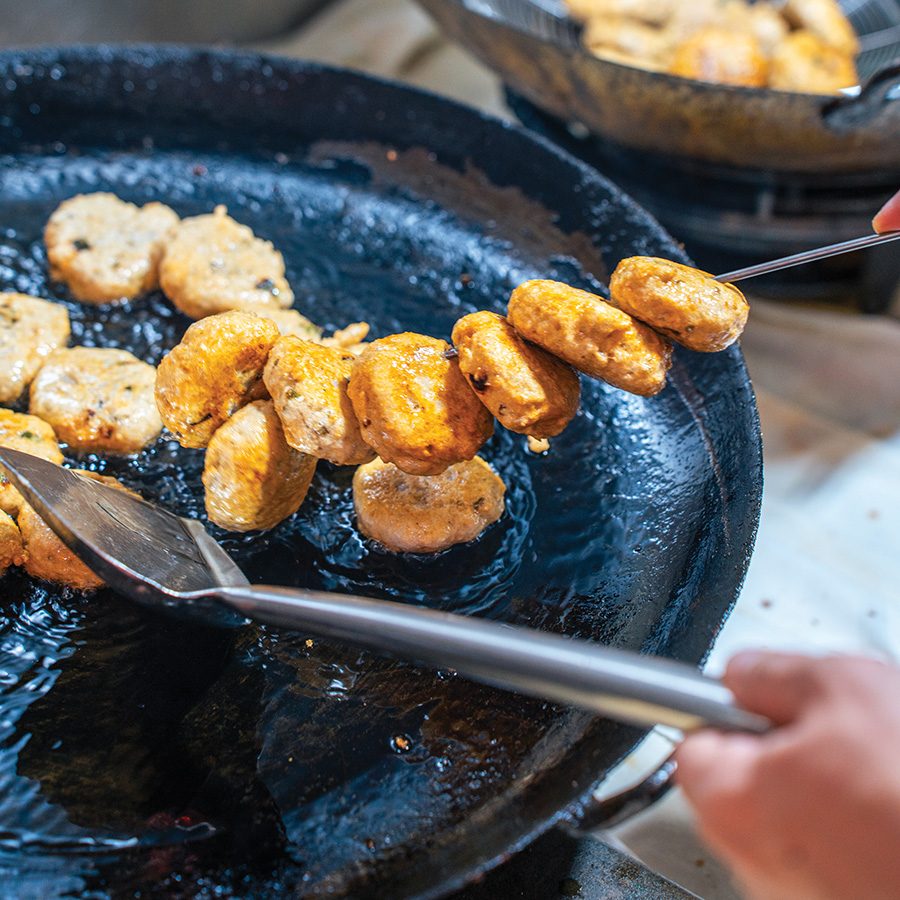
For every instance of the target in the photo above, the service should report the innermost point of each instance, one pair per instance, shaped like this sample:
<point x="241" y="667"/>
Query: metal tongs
<point x="173" y="564"/>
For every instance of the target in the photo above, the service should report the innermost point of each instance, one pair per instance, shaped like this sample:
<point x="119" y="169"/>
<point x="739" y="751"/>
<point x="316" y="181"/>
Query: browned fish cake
<point x="106" y="249"/>
<point x="591" y="335"/>
<point x="98" y="400"/>
<point x="827" y="21"/>
<point x="528" y="390"/>
<point x="213" y="264"/>
<point x="722" y="56"/>
<point x="11" y="550"/>
<point x="215" y="370"/>
<point x="653" y="12"/>
<point x="47" y="557"/>
<point x="804" y="63"/>
<point x="19" y="431"/>
<point x="253" y="479"/>
<point x="308" y="384"/>
<point x="627" y="41"/>
<point x="426" y="513"/>
<point x="414" y="405"/>
<point x="683" y="303"/>
<point x="30" y="330"/>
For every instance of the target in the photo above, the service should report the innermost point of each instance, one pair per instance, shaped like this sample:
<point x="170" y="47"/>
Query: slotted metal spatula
<point x="161" y="560"/>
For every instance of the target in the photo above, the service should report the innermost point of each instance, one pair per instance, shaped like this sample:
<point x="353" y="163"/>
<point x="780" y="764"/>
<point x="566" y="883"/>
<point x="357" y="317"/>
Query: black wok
<point x="537" y="52"/>
<point x="144" y="755"/>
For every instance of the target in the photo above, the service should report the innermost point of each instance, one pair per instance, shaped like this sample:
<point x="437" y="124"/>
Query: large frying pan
<point x="143" y="754"/>
<point x="537" y="52"/>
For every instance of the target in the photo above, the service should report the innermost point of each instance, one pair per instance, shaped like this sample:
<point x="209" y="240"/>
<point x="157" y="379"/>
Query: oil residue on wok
<point x="159" y="746"/>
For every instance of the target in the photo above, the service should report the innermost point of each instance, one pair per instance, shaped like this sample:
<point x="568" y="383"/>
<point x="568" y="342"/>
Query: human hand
<point x="888" y="217"/>
<point x="811" y="810"/>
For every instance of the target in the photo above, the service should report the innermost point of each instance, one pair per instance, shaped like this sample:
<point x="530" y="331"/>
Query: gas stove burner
<point x="731" y="217"/>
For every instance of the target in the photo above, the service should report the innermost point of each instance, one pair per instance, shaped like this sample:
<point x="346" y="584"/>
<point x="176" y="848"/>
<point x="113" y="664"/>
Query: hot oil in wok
<point x="122" y="729"/>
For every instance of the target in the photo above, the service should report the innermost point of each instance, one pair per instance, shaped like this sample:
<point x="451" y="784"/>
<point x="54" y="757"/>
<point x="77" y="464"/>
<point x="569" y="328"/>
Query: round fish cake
<point x="827" y="21"/>
<point x="722" y="56"/>
<point x="627" y="41"/>
<point x="98" y="400"/>
<point x="289" y="321"/>
<point x="19" y="431"/>
<point x="215" y="370"/>
<point x="253" y="479"/>
<point x="806" y="64"/>
<point x="308" y="384"/>
<point x="11" y="550"/>
<point x="525" y="388"/>
<point x="30" y="330"/>
<point x="47" y="557"/>
<point x="105" y="249"/>
<point x="414" y="405"/>
<point x="426" y="514"/>
<point x="683" y="303"/>
<point x="591" y="335"/>
<point x="212" y="264"/>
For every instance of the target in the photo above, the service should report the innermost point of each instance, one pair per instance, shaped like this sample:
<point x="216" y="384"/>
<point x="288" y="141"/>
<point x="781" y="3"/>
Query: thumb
<point x="888" y="218"/>
<point x="776" y="685"/>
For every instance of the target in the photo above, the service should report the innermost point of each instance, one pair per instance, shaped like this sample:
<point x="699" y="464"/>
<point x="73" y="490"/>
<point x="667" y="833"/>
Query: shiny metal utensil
<point x="798" y="259"/>
<point x="161" y="560"/>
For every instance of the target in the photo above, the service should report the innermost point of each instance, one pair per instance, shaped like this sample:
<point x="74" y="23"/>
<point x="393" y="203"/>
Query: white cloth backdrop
<point x="826" y="571"/>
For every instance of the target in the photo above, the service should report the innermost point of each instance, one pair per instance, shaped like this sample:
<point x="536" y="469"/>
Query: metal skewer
<point x="798" y="259"/>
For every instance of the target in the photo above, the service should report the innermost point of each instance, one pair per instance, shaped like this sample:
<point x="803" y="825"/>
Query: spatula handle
<point x="641" y="690"/>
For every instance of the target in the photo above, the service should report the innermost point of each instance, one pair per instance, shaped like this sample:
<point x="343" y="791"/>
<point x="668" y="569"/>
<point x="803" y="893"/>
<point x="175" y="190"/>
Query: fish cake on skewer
<point x="414" y="406"/>
<point x="308" y="385"/>
<point x="683" y="303"/>
<point x="98" y="400"/>
<point x="253" y="479"/>
<point x="20" y="431"/>
<point x="105" y="249"/>
<point x="212" y="264"/>
<point x="215" y="370"/>
<point x="30" y="330"/>
<point x="527" y="389"/>
<point x="426" y="513"/>
<point x="591" y="335"/>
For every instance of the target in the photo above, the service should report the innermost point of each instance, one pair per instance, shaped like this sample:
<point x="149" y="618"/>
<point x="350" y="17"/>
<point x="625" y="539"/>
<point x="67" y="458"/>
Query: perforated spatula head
<point x="138" y="549"/>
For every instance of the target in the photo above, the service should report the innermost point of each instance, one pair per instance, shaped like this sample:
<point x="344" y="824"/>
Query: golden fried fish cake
<point x="253" y="479"/>
<point x="215" y="370"/>
<point x="414" y="405"/>
<point x="722" y="56"/>
<point x="47" y="557"/>
<point x="761" y="19"/>
<point x="30" y="330"/>
<point x="591" y="335"/>
<point x="652" y="12"/>
<point x="289" y="321"/>
<point x="105" y="249"/>
<point x="308" y="385"/>
<point x="826" y="20"/>
<point x="426" y="513"/>
<point x="212" y="264"/>
<point x="525" y="388"/>
<point x="627" y="41"/>
<point x="19" y="431"/>
<point x="11" y="550"/>
<point x="804" y="63"/>
<point x="683" y="303"/>
<point x="98" y="400"/>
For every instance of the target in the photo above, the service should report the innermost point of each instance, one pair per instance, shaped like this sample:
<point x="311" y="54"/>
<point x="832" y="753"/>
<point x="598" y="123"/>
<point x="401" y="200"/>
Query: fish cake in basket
<point x="426" y="513"/>
<point x="253" y="479"/>
<point x="308" y="385"/>
<point x="527" y="389"/>
<point x="414" y="406"/>
<point x="681" y="302"/>
<point x="105" y="249"/>
<point x="30" y="330"/>
<point x="98" y="400"/>
<point x="215" y="370"/>
<point x="19" y="431"/>
<point x="212" y="264"/>
<point x="591" y="335"/>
